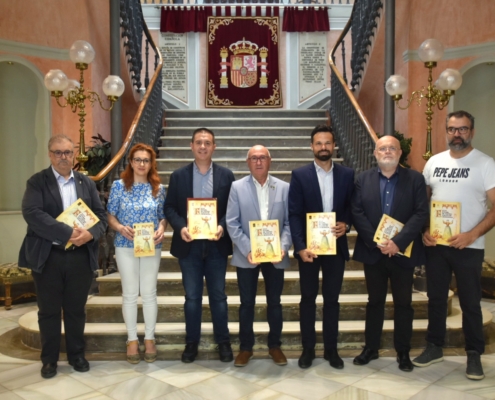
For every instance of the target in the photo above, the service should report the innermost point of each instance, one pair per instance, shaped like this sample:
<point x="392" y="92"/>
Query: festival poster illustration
<point x="445" y="220"/>
<point x="265" y="241"/>
<point x="202" y="217"/>
<point x="387" y="229"/>
<point x="144" y="245"/>
<point x="320" y="239"/>
<point x="78" y="215"/>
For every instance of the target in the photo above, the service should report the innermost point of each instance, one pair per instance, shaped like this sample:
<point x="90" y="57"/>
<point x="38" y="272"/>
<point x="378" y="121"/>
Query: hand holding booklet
<point x="387" y="229"/>
<point x="78" y="215"/>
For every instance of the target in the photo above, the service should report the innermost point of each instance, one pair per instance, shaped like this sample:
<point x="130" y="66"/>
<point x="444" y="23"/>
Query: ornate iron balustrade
<point x="286" y="2"/>
<point x="363" y="24"/>
<point x="146" y="125"/>
<point x="353" y="133"/>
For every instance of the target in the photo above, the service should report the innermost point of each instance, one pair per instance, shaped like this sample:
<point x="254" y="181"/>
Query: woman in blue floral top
<point x="137" y="198"/>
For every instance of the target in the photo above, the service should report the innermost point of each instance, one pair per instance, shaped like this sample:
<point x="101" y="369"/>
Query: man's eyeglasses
<point x="59" y="154"/>
<point x="462" y="130"/>
<point x="140" y="161"/>
<point x="255" y="159"/>
<point x="384" y="149"/>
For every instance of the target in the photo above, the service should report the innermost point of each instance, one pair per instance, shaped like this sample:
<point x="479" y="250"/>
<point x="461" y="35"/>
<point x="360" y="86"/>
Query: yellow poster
<point x="387" y="229"/>
<point x="320" y="239"/>
<point x="265" y="241"/>
<point x="202" y="218"/>
<point x="445" y="220"/>
<point x="78" y="215"/>
<point x="144" y="245"/>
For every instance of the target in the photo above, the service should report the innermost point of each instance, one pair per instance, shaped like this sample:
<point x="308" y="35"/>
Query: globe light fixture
<point x="438" y="94"/>
<point x="75" y="95"/>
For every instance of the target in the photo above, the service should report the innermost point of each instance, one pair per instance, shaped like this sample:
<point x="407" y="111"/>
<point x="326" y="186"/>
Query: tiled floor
<point x="261" y="379"/>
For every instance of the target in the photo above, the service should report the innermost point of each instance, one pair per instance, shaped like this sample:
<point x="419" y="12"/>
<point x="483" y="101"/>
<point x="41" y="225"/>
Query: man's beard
<point x="323" y="157"/>
<point x="459" y="146"/>
<point x="388" y="163"/>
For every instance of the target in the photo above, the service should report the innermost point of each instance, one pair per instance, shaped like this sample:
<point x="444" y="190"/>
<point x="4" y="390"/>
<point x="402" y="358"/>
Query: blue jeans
<point x="204" y="260"/>
<point x="247" y="279"/>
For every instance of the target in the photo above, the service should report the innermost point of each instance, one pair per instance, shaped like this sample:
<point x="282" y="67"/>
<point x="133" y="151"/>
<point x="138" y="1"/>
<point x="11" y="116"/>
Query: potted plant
<point x="99" y="155"/>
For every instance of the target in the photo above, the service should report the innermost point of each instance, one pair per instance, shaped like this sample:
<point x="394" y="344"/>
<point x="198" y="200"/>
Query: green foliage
<point x="99" y="155"/>
<point x="405" y="146"/>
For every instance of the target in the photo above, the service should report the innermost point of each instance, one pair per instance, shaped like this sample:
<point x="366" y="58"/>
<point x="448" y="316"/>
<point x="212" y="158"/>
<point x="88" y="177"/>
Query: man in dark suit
<point x="62" y="276"/>
<point x="401" y="194"/>
<point x="201" y="258"/>
<point x="321" y="186"/>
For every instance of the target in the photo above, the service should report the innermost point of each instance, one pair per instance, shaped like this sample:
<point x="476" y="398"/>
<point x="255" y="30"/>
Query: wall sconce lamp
<point x="430" y="52"/>
<point x="82" y="54"/>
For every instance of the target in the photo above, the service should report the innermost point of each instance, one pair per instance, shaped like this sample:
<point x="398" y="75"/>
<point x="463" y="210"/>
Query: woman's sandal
<point x="150" y="357"/>
<point x="133" y="358"/>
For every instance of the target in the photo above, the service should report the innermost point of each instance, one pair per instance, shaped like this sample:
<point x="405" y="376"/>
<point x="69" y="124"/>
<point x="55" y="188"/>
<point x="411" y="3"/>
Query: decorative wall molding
<point x="29" y="49"/>
<point x="339" y="15"/>
<point x="474" y="50"/>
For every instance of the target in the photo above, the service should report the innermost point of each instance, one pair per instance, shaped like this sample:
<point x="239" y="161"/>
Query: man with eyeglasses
<point x="200" y="259"/>
<point x="62" y="276"/>
<point x="466" y="175"/>
<point x="258" y="196"/>
<point x="322" y="186"/>
<point x="399" y="193"/>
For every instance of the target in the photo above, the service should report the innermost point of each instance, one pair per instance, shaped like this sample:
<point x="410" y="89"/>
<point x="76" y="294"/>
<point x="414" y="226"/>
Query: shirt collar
<point x="396" y="173"/>
<point x="196" y="169"/>
<point x="58" y="176"/>
<point x="259" y="184"/>
<point x="318" y="168"/>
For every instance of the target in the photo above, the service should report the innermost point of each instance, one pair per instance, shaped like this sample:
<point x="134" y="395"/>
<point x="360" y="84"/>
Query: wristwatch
<point x="347" y="228"/>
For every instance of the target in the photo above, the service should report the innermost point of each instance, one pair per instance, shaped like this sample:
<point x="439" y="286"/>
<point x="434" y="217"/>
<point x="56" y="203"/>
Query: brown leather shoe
<point x="243" y="358"/>
<point x="278" y="356"/>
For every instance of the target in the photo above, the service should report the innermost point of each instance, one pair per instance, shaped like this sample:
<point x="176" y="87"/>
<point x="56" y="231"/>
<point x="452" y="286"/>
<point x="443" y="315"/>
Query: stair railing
<point x="354" y="135"/>
<point x="147" y="123"/>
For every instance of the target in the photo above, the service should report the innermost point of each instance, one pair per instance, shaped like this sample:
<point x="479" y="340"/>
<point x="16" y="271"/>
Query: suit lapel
<point x="254" y="196"/>
<point x="399" y="190"/>
<point x="79" y="185"/>
<point x="188" y="181"/>
<point x="216" y="178"/>
<point x="53" y="187"/>
<point x="375" y="191"/>
<point x="314" y="183"/>
<point x="272" y="191"/>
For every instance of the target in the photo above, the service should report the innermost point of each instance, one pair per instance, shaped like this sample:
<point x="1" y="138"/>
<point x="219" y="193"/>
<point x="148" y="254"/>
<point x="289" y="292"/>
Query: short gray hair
<point x="59" y="138"/>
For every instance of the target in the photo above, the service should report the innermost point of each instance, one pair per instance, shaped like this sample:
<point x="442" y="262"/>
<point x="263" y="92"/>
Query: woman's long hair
<point x="153" y="178"/>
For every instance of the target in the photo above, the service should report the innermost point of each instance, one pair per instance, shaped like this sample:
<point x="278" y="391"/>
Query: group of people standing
<point x="62" y="275"/>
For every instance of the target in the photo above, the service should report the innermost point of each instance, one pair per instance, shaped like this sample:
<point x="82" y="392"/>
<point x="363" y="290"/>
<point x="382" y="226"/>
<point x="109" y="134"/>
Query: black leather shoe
<point x="49" y="370"/>
<point x="225" y="352"/>
<point x="306" y="359"/>
<point x="80" y="364"/>
<point x="404" y="361"/>
<point x="190" y="352"/>
<point x="366" y="356"/>
<point x="332" y="356"/>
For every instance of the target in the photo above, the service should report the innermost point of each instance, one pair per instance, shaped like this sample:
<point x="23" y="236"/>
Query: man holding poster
<point x="465" y="175"/>
<point x="399" y="194"/>
<point x="259" y="197"/>
<point x="322" y="186"/>
<point x="201" y="258"/>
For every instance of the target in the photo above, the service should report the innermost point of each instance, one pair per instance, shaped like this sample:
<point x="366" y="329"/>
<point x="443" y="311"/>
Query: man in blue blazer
<point x="321" y="186"/>
<point x="401" y="194"/>
<point x="62" y="276"/>
<point x="258" y="196"/>
<point x="201" y="258"/>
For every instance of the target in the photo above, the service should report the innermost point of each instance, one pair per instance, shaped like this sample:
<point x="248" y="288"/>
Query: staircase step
<point x="236" y="152"/>
<point x="282" y="175"/>
<point x="230" y="122"/>
<point x="205" y="115"/>
<point x="242" y="130"/>
<point x="236" y="164"/>
<point x="171" y="308"/>
<point x="111" y="337"/>
<point x="244" y="140"/>
<point x="170" y="284"/>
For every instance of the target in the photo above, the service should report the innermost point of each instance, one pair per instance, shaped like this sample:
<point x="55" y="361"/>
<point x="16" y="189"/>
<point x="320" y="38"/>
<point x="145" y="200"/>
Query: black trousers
<point x="332" y="268"/>
<point x="466" y="264"/>
<point x="64" y="285"/>
<point x="401" y="281"/>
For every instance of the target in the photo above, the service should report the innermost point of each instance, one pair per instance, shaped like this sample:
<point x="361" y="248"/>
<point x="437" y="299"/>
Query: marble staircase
<point x="287" y="135"/>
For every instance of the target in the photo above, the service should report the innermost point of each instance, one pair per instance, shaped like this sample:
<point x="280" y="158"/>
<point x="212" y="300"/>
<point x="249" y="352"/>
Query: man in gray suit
<point x="258" y="196"/>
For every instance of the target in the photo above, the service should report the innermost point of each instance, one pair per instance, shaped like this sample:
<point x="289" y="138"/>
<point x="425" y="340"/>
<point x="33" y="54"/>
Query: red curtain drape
<point x="306" y="19"/>
<point x="180" y="19"/>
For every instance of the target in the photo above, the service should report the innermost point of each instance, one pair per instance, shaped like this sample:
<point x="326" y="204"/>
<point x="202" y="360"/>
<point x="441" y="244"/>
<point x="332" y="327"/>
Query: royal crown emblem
<point x="243" y="63"/>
